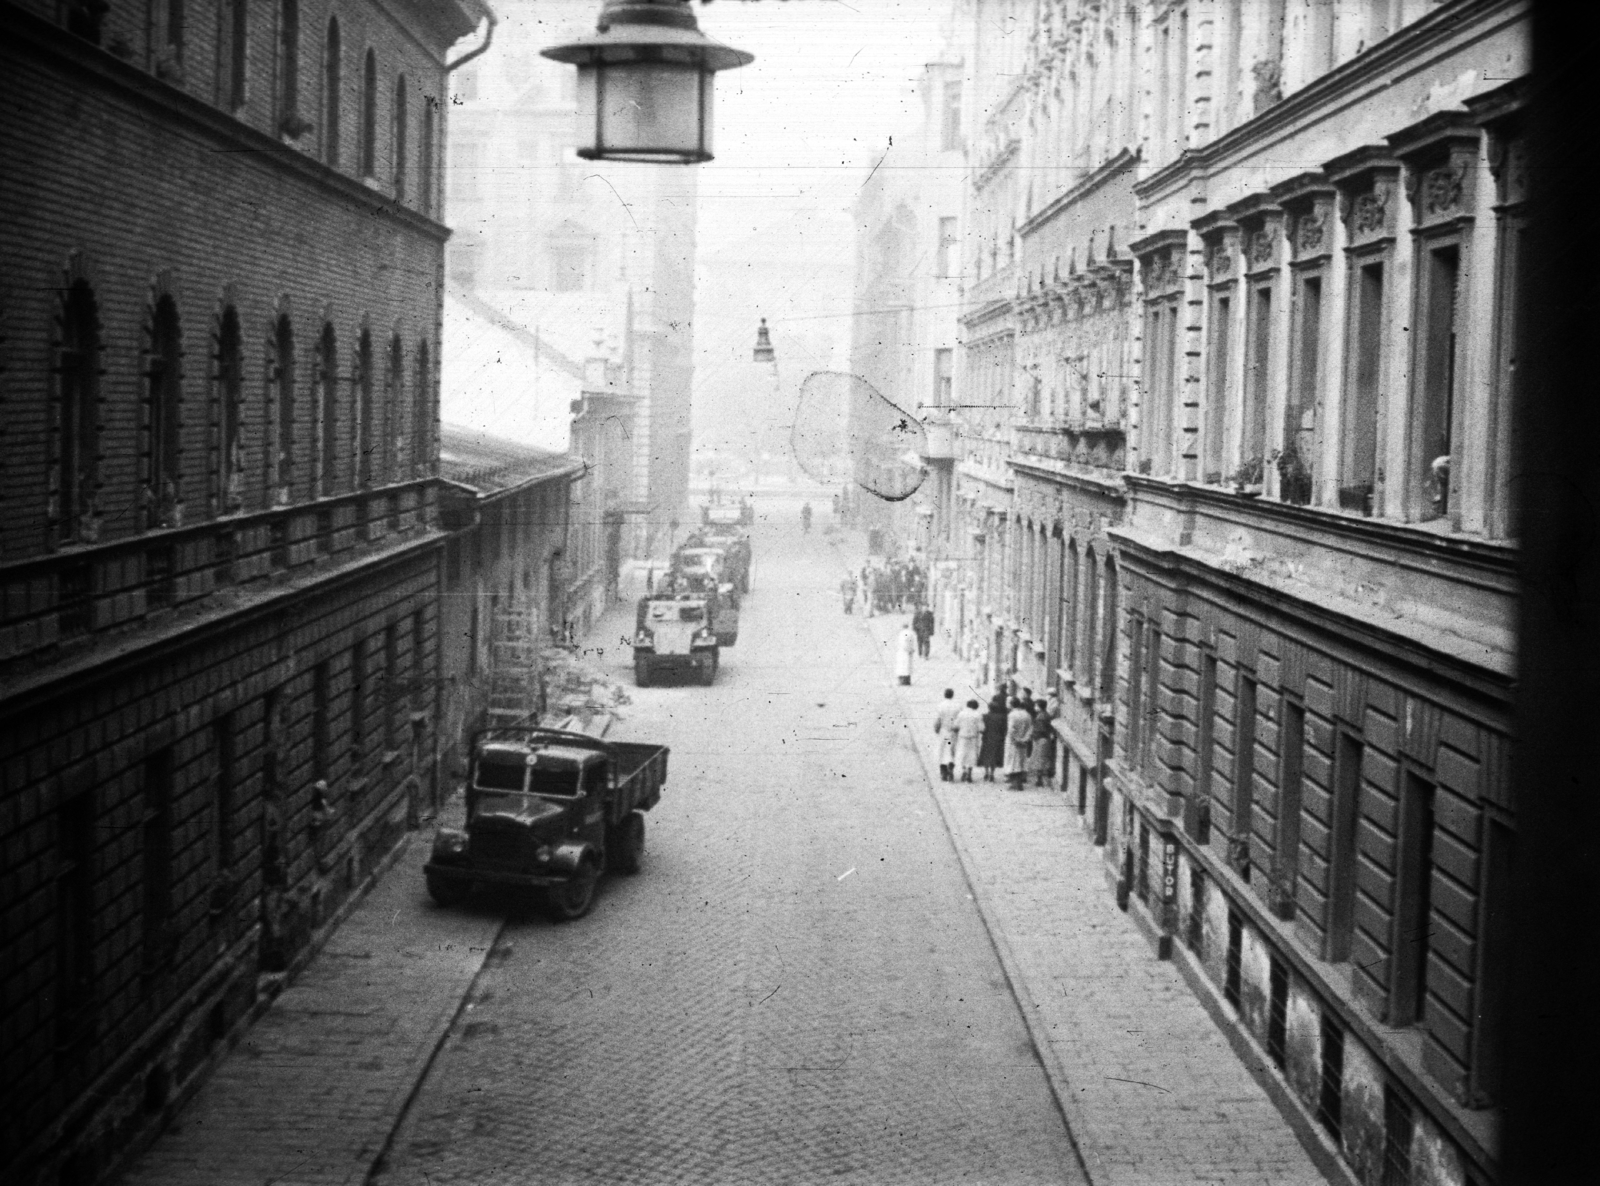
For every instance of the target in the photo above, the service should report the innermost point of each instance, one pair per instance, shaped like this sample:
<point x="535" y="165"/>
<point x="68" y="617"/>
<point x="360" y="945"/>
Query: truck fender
<point x="568" y="858"/>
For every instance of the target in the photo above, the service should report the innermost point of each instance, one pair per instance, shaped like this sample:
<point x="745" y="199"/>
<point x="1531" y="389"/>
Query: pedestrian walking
<point x="922" y="624"/>
<point x="904" y="647"/>
<point x="1019" y="731"/>
<point x="944" y="724"/>
<point x="1042" y="747"/>
<point x="993" y="751"/>
<point x="969" y="736"/>
<point x="847" y="591"/>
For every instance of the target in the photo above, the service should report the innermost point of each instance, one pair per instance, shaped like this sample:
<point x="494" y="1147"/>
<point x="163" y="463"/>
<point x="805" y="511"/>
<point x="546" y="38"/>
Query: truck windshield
<point x="554" y="782"/>
<point x="501" y="772"/>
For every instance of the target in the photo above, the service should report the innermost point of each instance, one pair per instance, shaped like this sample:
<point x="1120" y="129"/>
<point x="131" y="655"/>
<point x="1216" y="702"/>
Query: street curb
<point x="1055" y="1073"/>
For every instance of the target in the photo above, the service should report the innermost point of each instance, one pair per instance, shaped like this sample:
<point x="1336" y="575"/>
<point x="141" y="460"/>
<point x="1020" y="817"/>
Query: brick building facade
<point x="1289" y="577"/>
<point x="219" y="547"/>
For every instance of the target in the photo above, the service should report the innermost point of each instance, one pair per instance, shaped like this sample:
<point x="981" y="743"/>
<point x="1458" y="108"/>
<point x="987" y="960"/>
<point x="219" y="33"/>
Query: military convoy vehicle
<point x="548" y="811"/>
<point x="674" y="633"/>
<point x="704" y="570"/>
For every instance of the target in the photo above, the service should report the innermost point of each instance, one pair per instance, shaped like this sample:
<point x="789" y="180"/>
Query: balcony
<point x="941" y="438"/>
<point x="65" y="599"/>
<point x="1073" y="442"/>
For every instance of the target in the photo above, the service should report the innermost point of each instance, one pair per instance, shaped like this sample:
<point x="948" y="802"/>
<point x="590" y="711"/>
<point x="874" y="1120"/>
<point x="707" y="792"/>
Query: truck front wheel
<point x="625" y="847"/>
<point x="572" y="899"/>
<point x="445" y="891"/>
<point x="641" y="673"/>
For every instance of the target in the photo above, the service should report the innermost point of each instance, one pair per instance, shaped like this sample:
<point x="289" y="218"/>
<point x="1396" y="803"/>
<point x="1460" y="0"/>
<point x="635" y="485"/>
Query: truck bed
<point x="641" y="772"/>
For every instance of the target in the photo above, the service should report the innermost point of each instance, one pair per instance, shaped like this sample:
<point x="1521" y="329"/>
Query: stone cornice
<point x="1117" y="165"/>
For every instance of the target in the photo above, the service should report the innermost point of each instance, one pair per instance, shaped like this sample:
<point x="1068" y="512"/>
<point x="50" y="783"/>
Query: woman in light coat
<point x="904" y="647"/>
<point x="1019" y="731"/>
<point x="969" y="736"/>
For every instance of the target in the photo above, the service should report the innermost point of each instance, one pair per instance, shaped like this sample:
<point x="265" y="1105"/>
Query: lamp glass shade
<point x="644" y="110"/>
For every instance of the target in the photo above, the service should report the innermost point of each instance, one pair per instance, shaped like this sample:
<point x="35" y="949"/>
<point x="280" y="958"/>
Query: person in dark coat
<point x="922" y="627"/>
<point x="992" y="752"/>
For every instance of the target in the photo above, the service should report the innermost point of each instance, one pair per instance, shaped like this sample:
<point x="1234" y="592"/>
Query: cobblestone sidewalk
<point x="1152" y="1091"/>
<point x="312" y="1091"/>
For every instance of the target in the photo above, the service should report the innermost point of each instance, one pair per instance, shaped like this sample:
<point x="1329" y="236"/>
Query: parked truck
<point x="675" y="634"/>
<point x="705" y="571"/>
<point x="548" y="811"/>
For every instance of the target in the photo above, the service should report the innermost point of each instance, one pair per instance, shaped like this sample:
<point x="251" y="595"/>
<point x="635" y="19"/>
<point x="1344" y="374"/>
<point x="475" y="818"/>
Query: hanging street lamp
<point x="763" y="351"/>
<point x="645" y="83"/>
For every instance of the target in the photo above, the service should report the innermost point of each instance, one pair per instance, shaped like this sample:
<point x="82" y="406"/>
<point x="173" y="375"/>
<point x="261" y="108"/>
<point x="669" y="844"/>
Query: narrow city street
<point x="797" y="988"/>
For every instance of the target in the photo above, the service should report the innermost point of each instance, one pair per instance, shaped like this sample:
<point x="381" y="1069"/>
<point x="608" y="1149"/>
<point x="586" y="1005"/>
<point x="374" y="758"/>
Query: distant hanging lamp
<point x="763" y="351"/>
<point x="645" y="83"/>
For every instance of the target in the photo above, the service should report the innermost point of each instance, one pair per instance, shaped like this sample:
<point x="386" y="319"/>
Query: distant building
<point x="907" y="287"/>
<point x="532" y="220"/>
<point x="1243" y="281"/>
<point x="219" y="542"/>
<point x="504" y="598"/>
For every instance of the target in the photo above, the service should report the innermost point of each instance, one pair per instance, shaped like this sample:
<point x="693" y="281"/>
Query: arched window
<point x="430" y="107"/>
<point x="364" y="435"/>
<point x="327" y="410"/>
<point x="164" y="397"/>
<point x="369" y="116"/>
<point x="393" y="394"/>
<point x="77" y="372"/>
<point x="280" y="470"/>
<point x="421" y="414"/>
<point x="332" y="80"/>
<point x="289" y="67"/>
<point x="400" y="137"/>
<point x="228" y="465"/>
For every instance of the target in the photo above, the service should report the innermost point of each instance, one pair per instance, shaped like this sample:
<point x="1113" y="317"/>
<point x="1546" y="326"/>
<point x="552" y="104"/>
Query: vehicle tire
<point x="573" y="898"/>
<point x="625" y="848"/>
<point x="708" y="673"/>
<point x="641" y="674"/>
<point x="445" y="891"/>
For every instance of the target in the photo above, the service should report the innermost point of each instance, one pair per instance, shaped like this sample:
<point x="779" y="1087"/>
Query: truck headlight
<point x="542" y="854"/>
<point x="644" y="638"/>
<point x="449" y="842"/>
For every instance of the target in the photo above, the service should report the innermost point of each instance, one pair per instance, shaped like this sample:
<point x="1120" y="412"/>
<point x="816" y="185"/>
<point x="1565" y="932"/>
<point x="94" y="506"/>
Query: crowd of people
<point x="1012" y="735"/>
<point x="889" y="587"/>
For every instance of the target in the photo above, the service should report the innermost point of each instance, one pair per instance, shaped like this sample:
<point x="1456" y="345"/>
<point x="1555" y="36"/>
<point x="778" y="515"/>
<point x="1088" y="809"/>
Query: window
<point x="391" y="682"/>
<point x="417" y="659"/>
<point x="156" y="856"/>
<point x="1399" y="1126"/>
<point x="358" y="697"/>
<point x="1108" y="645"/>
<point x="1277" y="1010"/>
<point x="1069" y="606"/>
<point x="1219" y="385"/>
<point x="394" y="390"/>
<point x="238" y="52"/>
<point x="425" y="179"/>
<point x="1258" y="355"/>
<point x="1152" y="678"/>
<point x="943" y="377"/>
<point x="1244" y="760"/>
<point x="422" y="414"/>
<point x="950" y="121"/>
<point x="1161" y="374"/>
<point x="949" y="264"/>
<point x="1363" y="393"/>
<point x="175" y="29"/>
<point x="1342" y="846"/>
<point x="1330" y="1094"/>
<point x="1234" y="961"/>
<point x="282" y="393"/>
<point x="74" y="937"/>
<point x="1434" y="395"/>
<point x="164" y="377"/>
<point x="78" y="409"/>
<point x="1195" y="932"/>
<point x="1408" y="985"/>
<point x="222" y="818"/>
<point x="1494" y="960"/>
<point x="321" y="742"/>
<point x="365" y="434"/>
<point x="369" y="116"/>
<point x="289" y="66"/>
<point x="332" y="84"/>
<point x="1291" y="791"/>
<point x="1133" y="731"/>
<point x="1204" y="747"/>
<point x="230" y="408"/>
<point x="1295" y="463"/>
<point x="328" y="409"/>
<point x="1511" y="377"/>
<point x="400" y="136"/>
<point x="1091" y="617"/>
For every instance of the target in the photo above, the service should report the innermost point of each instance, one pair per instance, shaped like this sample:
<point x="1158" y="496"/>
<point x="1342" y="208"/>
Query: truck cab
<point x="674" y="634"/>
<point x="705" y="569"/>
<point x="548" y="810"/>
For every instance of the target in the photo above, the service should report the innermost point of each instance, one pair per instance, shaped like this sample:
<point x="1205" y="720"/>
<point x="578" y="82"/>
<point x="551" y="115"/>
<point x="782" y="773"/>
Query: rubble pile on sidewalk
<point x="578" y="695"/>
